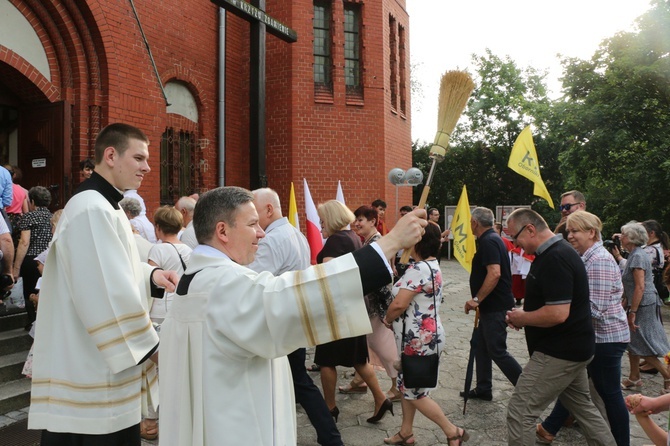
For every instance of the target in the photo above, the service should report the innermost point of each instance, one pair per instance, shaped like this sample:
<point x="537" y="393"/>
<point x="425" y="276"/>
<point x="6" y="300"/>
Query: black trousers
<point x="30" y="275"/>
<point x="129" y="436"/>
<point x="310" y="398"/>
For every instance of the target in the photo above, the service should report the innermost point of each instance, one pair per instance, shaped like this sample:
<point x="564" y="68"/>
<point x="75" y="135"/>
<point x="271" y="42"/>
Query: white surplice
<point x="220" y="383"/>
<point x="93" y="326"/>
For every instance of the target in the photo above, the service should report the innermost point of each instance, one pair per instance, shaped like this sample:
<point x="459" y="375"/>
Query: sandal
<point x="647" y="368"/>
<point x="462" y="438"/>
<point x="348" y="389"/>
<point x="404" y="441"/>
<point x="542" y="435"/>
<point x="628" y="384"/>
<point x="149" y="432"/>
<point x="666" y="387"/>
<point x="394" y="396"/>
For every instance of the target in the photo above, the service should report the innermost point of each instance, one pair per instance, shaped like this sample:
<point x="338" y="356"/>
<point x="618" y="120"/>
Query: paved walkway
<point x="485" y="421"/>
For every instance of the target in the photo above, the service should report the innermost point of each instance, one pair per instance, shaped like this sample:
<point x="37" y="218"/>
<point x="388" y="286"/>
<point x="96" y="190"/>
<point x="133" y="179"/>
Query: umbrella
<point x="471" y="361"/>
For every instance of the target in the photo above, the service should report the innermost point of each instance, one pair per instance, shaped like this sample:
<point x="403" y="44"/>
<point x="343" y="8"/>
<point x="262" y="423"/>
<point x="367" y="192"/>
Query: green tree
<point x="614" y="123"/>
<point x="506" y="99"/>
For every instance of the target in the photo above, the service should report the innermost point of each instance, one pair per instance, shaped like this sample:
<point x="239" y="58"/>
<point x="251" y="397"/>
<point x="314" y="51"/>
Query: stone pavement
<point x="485" y="421"/>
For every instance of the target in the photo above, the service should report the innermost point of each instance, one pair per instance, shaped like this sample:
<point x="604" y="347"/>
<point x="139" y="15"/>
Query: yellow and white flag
<point x="461" y="230"/>
<point x="523" y="160"/>
<point x="293" y="210"/>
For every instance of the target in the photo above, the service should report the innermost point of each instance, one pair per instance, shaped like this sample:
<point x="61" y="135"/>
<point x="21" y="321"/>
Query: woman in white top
<point x="171" y="255"/>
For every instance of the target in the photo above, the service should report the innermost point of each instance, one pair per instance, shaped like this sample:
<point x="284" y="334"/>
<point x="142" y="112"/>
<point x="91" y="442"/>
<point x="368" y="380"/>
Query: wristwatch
<point x="475" y="299"/>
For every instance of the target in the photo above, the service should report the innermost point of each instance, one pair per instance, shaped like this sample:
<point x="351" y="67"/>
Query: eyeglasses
<point x="516" y="236"/>
<point x="566" y="207"/>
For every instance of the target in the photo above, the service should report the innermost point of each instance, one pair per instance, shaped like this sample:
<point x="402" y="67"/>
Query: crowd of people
<point x="223" y="280"/>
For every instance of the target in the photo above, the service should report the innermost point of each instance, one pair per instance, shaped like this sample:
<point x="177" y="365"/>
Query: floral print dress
<point x="424" y="334"/>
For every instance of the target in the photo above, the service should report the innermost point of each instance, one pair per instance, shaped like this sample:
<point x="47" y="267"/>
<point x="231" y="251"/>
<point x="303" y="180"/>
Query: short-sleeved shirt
<point x="38" y="222"/>
<point x="558" y="276"/>
<point x="491" y="251"/>
<point x="338" y="244"/>
<point x="639" y="259"/>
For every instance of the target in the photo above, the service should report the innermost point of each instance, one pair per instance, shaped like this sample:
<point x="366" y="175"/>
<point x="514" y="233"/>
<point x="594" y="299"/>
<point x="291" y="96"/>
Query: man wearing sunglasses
<point x="571" y="201"/>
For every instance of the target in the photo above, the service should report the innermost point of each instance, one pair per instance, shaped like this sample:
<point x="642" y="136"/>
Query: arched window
<point x="180" y="156"/>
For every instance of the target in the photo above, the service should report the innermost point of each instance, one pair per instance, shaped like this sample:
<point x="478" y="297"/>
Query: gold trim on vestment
<point x="124" y="337"/>
<point x="328" y="304"/>
<point x="66" y="402"/>
<point x="116" y="321"/>
<point x="303" y="308"/>
<point x="60" y="382"/>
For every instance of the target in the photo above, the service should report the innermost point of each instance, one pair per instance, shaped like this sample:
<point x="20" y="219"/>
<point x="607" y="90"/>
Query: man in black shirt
<point x="491" y="289"/>
<point x="559" y="334"/>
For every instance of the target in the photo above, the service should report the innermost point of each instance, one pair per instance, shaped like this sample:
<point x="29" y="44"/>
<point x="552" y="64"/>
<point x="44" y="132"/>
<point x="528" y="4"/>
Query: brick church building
<point x="337" y="100"/>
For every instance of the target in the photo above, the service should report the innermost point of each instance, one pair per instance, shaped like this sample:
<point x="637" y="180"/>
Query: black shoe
<point x="387" y="406"/>
<point x="335" y="412"/>
<point x="477" y="395"/>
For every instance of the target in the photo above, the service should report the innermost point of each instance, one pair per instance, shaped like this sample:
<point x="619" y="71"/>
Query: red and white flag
<point x="339" y="196"/>
<point x="313" y="225"/>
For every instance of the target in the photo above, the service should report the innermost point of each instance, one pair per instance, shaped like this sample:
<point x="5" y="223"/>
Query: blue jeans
<point x="492" y="347"/>
<point x="605" y="372"/>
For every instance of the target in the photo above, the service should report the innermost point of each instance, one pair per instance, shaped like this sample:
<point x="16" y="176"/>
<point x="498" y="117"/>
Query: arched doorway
<point x="50" y="91"/>
<point x="34" y="134"/>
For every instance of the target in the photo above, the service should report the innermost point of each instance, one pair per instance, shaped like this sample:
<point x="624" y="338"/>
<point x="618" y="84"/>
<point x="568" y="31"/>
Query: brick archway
<point x="24" y="79"/>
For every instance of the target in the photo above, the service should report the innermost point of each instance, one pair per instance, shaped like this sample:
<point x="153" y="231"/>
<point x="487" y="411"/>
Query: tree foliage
<point x="616" y="123"/>
<point x="607" y="136"/>
<point x="505" y="100"/>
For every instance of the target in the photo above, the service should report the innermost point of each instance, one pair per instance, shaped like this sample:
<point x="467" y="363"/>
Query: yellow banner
<point x="461" y="230"/>
<point x="523" y="160"/>
<point x="293" y="209"/>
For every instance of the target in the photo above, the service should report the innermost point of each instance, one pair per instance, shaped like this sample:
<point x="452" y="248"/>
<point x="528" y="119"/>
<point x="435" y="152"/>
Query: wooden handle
<point x="422" y="204"/>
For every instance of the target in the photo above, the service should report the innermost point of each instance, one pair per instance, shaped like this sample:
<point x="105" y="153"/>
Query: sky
<point x="445" y="33"/>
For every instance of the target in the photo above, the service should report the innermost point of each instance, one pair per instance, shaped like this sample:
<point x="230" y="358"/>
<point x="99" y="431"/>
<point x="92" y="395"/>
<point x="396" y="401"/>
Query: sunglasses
<point x="566" y="207"/>
<point x="520" y="231"/>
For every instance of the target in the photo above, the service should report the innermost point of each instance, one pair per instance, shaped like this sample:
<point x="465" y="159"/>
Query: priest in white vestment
<point x="219" y="383"/>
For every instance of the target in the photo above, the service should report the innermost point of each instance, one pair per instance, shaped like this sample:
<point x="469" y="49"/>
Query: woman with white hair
<point x="647" y="336"/>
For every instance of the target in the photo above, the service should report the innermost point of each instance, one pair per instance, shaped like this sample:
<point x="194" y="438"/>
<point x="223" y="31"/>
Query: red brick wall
<point x="100" y="64"/>
<point x="356" y="143"/>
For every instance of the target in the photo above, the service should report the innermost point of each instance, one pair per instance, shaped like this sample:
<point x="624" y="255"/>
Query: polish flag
<point x="313" y="225"/>
<point x="339" y="196"/>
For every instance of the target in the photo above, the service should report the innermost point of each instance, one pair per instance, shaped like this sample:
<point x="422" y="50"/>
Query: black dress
<point x="350" y="351"/>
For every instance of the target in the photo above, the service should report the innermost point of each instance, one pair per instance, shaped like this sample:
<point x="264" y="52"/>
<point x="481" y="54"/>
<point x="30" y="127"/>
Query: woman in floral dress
<point x="417" y="298"/>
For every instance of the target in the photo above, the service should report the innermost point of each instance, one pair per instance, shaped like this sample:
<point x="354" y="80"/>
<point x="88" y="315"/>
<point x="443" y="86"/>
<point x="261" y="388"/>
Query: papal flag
<point x="461" y="230"/>
<point x="523" y="160"/>
<point x="293" y="209"/>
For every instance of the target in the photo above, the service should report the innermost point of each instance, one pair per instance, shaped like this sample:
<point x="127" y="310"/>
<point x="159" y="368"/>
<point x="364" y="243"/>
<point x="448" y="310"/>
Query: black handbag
<point x="420" y="371"/>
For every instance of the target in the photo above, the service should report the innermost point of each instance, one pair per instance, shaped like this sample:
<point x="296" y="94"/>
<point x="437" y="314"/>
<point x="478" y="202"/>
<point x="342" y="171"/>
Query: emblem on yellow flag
<point x="464" y="239"/>
<point x="523" y="160"/>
